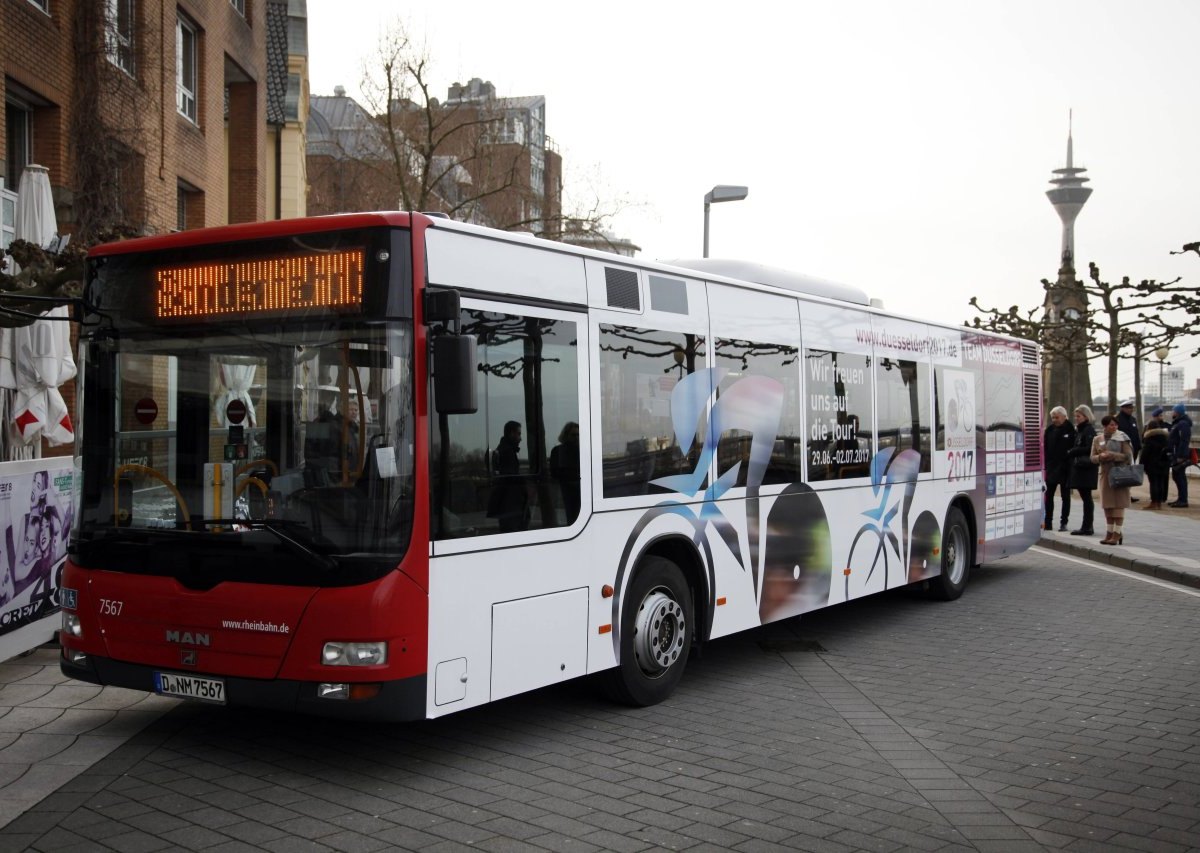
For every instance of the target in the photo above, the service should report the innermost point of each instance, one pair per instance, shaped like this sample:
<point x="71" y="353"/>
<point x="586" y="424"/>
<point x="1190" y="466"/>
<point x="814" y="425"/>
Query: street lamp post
<point x="719" y="193"/>
<point x="1162" y="353"/>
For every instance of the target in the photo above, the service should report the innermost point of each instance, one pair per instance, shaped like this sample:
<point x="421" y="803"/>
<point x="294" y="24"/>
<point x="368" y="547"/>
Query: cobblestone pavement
<point x="1055" y="706"/>
<point x="52" y="729"/>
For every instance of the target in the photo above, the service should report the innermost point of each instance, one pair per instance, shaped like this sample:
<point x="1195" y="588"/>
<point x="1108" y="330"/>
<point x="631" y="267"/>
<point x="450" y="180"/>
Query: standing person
<point x="1180" y="445"/>
<point x="1128" y="424"/>
<point x="1056" y="442"/>
<point x="508" y="502"/>
<point x="564" y="467"/>
<point x="1154" y="458"/>
<point x="1083" y="470"/>
<point x="1112" y="447"/>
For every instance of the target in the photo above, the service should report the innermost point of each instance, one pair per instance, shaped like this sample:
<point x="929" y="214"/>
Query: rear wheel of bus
<point x="956" y="558"/>
<point x="656" y="634"/>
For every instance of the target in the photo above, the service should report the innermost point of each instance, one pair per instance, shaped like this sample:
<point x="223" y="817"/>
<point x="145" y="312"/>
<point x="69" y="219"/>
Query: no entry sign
<point x="235" y="412"/>
<point x="145" y="410"/>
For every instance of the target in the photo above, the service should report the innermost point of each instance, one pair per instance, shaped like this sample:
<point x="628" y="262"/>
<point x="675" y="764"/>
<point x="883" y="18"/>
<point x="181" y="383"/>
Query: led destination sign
<point x="265" y="285"/>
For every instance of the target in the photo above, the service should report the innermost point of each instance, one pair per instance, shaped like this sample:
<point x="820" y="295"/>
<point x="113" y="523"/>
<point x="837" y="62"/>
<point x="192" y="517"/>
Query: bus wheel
<point x="956" y="558"/>
<point x="656" y="635"/>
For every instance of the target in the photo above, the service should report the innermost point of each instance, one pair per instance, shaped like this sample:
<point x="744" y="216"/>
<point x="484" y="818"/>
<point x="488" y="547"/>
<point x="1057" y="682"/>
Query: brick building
<point x="492" y="161"/>
<point x="157" y="114"/>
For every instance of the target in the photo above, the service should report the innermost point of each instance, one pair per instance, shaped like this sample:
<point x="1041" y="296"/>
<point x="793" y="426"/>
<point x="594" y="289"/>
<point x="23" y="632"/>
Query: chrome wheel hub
<point x="956" y="555"/>
<point x="659" y="632"/>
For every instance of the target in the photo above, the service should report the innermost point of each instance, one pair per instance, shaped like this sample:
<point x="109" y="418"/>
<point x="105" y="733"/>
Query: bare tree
<point x="1121" y="317"/>
<point x="474" y="156"/>
<point x="106" y="132"/>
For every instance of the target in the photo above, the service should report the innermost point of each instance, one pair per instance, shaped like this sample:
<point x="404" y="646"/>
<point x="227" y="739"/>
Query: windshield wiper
<point x="275" y="527"/>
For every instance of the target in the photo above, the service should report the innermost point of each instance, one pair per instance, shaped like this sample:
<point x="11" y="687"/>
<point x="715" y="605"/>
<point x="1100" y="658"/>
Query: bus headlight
<point x="71" y="625"/>
<point x="354" y="654"/>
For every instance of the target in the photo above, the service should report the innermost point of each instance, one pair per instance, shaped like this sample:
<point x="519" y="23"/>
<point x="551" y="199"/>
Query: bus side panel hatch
<point x="538" y="641"/>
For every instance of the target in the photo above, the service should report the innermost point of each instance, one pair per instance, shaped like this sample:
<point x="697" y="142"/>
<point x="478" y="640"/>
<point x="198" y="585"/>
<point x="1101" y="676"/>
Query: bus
<point x="392" y="466"/>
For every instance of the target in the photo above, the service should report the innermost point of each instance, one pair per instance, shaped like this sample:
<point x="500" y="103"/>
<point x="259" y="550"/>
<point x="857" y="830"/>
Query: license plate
<point x="190" y="687"/>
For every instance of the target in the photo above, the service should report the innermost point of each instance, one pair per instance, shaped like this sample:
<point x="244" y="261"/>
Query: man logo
<point x="188" y="657"/>
<point x="187" y="638"/>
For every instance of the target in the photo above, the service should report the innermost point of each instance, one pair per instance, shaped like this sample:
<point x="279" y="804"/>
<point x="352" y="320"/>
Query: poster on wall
<point x="35" y="521"/>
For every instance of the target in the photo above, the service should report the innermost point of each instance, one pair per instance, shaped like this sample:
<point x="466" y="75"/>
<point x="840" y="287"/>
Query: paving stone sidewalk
<point x="1162" y="543"/>
<point x="1053" y="707"/>
<point x="52" y="729"/>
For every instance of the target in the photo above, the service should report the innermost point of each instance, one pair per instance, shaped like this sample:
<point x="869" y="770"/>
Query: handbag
<point x="1125" y="476"/>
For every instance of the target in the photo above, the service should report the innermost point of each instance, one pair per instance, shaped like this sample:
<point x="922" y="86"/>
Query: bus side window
<point x="639" y="371"/>
<point x="903" y="412"/>
<point x="504" y="469"/>
<point x="780" y="362"/>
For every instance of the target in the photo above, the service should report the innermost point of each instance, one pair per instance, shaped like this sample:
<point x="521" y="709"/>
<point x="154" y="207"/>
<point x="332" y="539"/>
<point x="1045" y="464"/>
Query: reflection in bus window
<point x="491" y="470"/>
<point x="639" y="368"/>
<point x="902" y="392"/>
<point x="839" y="414"/>
<point x="268" y="404"/>
<point x="780" y="362"/>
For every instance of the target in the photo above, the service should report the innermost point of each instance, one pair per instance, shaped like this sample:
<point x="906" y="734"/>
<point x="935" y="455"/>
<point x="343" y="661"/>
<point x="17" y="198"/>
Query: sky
<point x="904" y="148"/>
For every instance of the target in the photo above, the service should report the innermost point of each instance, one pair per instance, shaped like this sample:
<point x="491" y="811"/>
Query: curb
<point x="1118" y="560"/>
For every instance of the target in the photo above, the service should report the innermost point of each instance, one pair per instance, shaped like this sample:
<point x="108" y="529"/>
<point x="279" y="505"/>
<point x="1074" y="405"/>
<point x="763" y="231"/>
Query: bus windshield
<point x="271" y="451"/>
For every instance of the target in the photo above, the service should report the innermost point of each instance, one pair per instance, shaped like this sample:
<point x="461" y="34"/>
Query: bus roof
<point x="730" y="271"/>
<point x="252" y="231"/>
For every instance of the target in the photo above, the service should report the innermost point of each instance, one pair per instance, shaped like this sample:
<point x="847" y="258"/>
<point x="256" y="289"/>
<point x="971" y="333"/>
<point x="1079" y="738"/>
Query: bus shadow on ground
<point x="820" y="632"/>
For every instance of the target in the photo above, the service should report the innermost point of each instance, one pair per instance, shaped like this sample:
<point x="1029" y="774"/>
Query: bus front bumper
<point x="396" y="701"/>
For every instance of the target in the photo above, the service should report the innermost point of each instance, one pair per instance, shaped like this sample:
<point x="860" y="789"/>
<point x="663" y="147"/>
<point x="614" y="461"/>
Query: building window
<point x="187" y="41"/>
<point x="189" y="206"/>
<point x="8" y="216"/>
<point x="118" y="34"/>
<point x="240" y="6"/>
<point x="17" y="138"/>
<point x="291" y="98"/>
<point x="18" y="121"/>
<point x="44" y="5"/>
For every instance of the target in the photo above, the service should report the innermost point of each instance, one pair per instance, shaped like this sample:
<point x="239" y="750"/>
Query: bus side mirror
<point x="454" y="374"/>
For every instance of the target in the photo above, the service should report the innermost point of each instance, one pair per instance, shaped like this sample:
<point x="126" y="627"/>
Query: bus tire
<point x="657" y="628"/>
<point x="956" y="558"/>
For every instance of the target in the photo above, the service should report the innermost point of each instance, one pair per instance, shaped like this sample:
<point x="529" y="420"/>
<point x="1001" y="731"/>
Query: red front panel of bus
<point x="271" y="631"/>
<point x="248" y="630"/>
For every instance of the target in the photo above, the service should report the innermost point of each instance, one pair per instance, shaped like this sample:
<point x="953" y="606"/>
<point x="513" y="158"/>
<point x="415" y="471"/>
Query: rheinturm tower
<point x="1065" y="370"/>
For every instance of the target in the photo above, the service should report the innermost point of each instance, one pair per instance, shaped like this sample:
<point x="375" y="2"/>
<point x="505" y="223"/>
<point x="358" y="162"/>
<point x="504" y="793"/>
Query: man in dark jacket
<point x="1056" y="442"/>
<point x="1180" y="448"/>
<point x="1128" y="424"/>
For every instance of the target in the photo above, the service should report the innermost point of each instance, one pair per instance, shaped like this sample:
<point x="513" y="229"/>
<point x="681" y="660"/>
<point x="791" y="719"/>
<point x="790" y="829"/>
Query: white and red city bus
<point x="392" y="466"/>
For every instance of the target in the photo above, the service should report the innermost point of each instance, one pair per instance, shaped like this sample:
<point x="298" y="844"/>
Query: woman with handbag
<point x="1111" y="448"/>
<point x="1083" y="470"/>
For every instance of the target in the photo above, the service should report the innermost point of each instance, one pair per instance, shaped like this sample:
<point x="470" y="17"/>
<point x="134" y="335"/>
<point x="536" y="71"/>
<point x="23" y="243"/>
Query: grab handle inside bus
<point x="454" y="360"/>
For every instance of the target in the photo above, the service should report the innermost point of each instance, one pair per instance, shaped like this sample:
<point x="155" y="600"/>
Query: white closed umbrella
<point x="35" y="220"/>
<point x="35" y="360"/>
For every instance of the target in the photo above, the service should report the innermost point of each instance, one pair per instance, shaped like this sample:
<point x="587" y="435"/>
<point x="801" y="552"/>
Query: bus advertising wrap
<point x="35" y="520"/>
